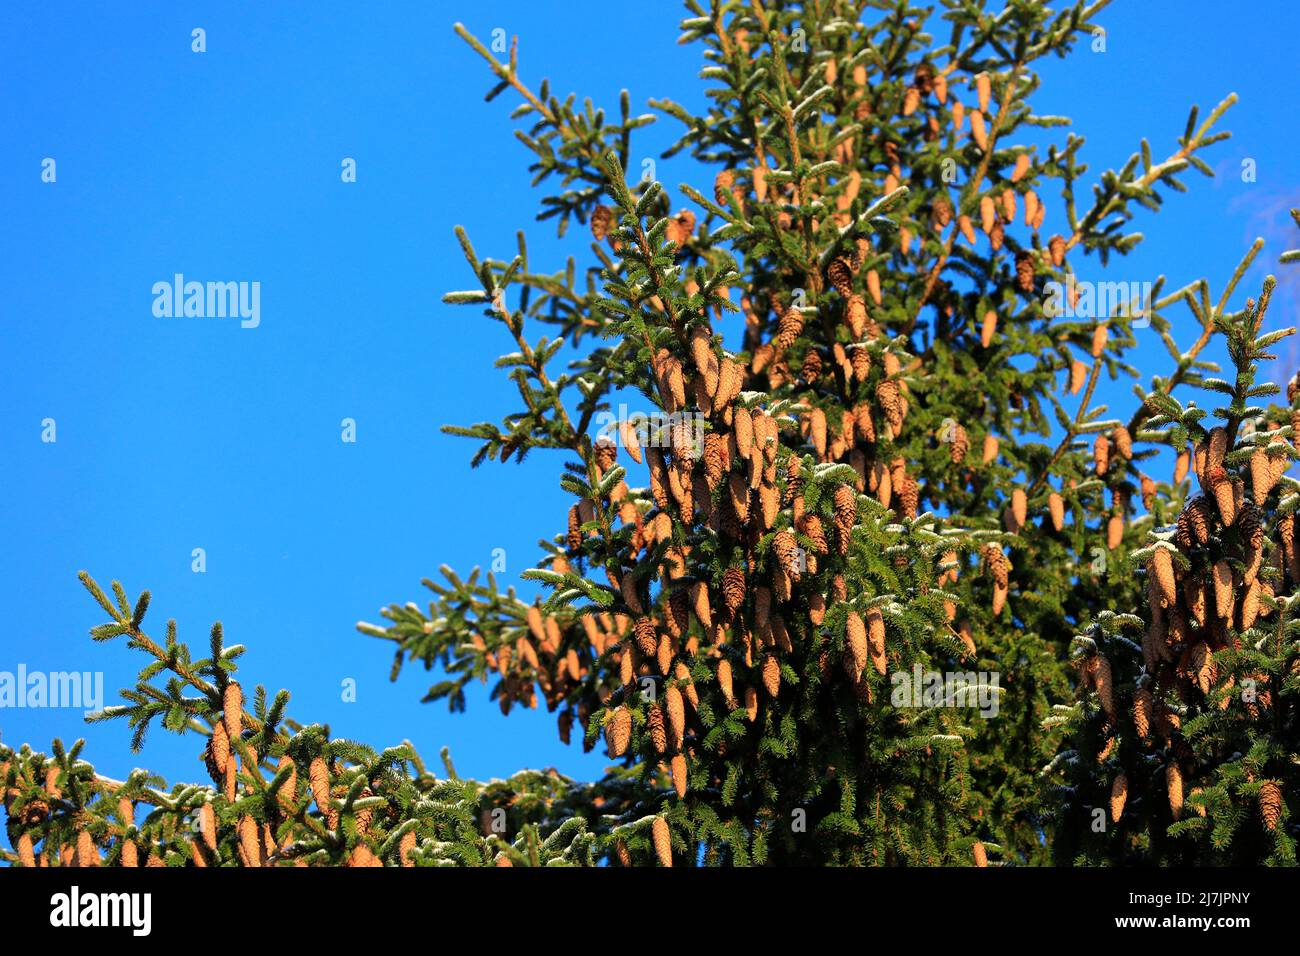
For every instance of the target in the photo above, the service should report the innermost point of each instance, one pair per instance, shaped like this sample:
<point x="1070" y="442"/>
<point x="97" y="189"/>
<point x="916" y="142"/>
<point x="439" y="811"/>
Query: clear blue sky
<point x="175" y="434"/>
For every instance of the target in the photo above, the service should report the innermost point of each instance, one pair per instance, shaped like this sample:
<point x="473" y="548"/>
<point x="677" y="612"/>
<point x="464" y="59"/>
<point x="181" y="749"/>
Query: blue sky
<point x="175" y="434"/>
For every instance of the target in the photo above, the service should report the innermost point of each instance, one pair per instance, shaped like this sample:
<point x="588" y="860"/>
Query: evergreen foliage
<point x="899" y="469"/>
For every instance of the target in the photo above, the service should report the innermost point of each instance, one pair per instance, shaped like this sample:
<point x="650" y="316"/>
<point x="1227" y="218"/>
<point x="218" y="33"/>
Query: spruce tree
<point x="870" y="448"/>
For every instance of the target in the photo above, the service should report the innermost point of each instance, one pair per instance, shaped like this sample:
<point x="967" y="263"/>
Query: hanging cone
<point x="1078" y="375"/>
<point x="1162" y="569"/>
<point x="676" y="709"/>
<point x="1223" y="591"/>
<point x="662" y="840"/>
<point x="1056" y="508"/>
<point x="979" y="854"/>
<point x="856" y="635"/>
<point x="989" y="452"/>
<point x="1174" y="783"/>
<point x="988" y="328"/>
<point x="1143" y="709"/>
<point x="250" y="846"/>
<point x="1270" y="804"/>
<point x="1261" y="475"/>
<point x="1099" y="337"/>
<point x="1114" y="532"/>
<point x="232" y="710"/>
<point x="771" y="676"/>
<point x="1101" y="454"/>
<point x="319" y="779"/>
<point x="87" y="852"/>
<point x="1104" y="684"/>
<point x="724" y="683"/>
<point x="618" y="731"/>
<point x="208" y="826"/>
<point x="677" y="769"/>
<point x="1118" y="797"/>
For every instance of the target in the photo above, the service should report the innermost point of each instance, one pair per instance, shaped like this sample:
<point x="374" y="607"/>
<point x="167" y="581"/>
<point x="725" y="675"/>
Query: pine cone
<point x="1162" y="569"/>
<point x="989" y="453"/>
<point x="988" y="328"/>
<point x="771" y="676"/>
<point x="618" y="731"/>
<point x="87" y="852"/>
<point x="733" y="588"/>
<point x="647" y="640"/>
<point x="855" y="315"/>
<point x="840" y="275"/>
<point x="1174" y="782"/>
<point x="662" y="840"/>
<point x="602" y="218"/>
<point x="857" y="644"/>
<point x="1101" y="454"/>
<point x="1056" y="248"/>
<point x="1078" y="375"/>
<point x="958" y="444"/>
<point x="845" y="504"/>
<point x="997" y="564"/>
<point x="1123" y="442"/>
<point x="786" y="549"/>
<point x="1270" y="804"/>
<point x="678" y="772"/>
<point x="676" y="709"/>
<point x="979" y="854"/>
<point x="724" y="683"/>
<point x="811" y="528"/>
<point x="1056" y="508"/>
<point x="1104" y="684"/>
<point x="1025" y="272"/>
<point x="788" y="329"/>
<point x="319" y="777"/>
<point x="1118" y="796"/>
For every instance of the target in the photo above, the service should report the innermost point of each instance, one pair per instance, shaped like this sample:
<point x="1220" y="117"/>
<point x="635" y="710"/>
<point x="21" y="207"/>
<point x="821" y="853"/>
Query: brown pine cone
<point x="319" y="778"/>
<point x="1270" y="804"/>
<point x="958" y="445"/>
<point x="786" y="549"/>
<point x="678" y="772"/>
<point x="1174" y="782"/>
<point x="811" y="528"/>
<point x="1162" y="569"/>
<point x="857" y="643"/>
<point x="1056" y="248"/>
<point x="647" y="640"/>
<point x="618" y="731"/>
<point x="845" y="504"/>
<point x="1025" y="272"/>
<point x="771" y="675"/>
<point x="655" y="726"/>
<point x="979" y="854"/>
<point x="840" y="275"/>
<point x="788" y="329"/>
<point x="662" y="840"/>
<point x="676" y="709"/>
<point x="1143" y="709"/>
<point x="997" y="564"/>
<point x="733" y="588"/>
<point x="890" y="401"/>
<point x="725" y="684"/>
<point x="1118" y="796"/>
<point x="602" y="219"/>
<point x="1056" y="508"/>
<point x="1101" y="454"/>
